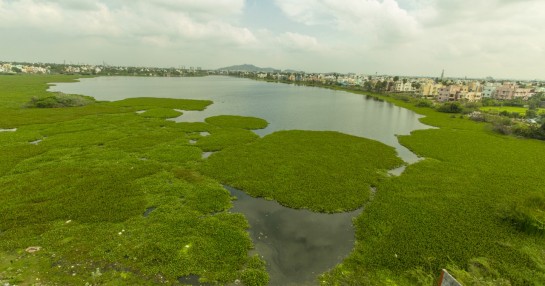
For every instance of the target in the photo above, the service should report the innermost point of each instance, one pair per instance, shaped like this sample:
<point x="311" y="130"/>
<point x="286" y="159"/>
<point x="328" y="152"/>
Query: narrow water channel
<point x="297" y="245"/>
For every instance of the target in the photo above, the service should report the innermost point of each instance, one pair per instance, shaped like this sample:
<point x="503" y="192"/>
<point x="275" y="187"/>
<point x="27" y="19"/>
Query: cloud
<point x="298" y="42"/>
<point x="138" y="20"/>
<point x="464" y="36"/>
<point x="373" y="20"/>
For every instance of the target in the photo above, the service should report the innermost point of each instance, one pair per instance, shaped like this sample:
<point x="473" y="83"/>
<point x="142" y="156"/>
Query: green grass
<point x="510" y="109"/>
<point x="81" y="194"/>
<point x="321" y="171"/>
<point x="233" y="121"/>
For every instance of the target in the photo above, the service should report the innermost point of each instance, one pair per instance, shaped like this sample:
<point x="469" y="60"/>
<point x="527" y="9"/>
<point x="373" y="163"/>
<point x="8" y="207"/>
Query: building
<point x="449" y="93"/>
<point x="506" y="91"/>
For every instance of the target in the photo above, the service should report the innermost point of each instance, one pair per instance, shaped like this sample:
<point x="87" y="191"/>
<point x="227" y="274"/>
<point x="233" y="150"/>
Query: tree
<point x="531" y="113"/>
<point x="450" y="107"/>
<point x="396" y="78"/>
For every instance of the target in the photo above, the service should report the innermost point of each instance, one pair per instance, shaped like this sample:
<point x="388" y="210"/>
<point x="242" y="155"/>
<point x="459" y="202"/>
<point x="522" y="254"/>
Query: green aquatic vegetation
<point x="147" y="102"/>
<point x="448" y="209"/>
<point x="233" y="121"/>
<point x="191" y="127"/>
<point x="13" y="118"/>
<point x="321" y="171"/>
<point x="81" y="193"/>
<point x="161" y="113"/>
<point x="255" y="273"/>
<point x="173" y="153"/>
<point x="479" y="272"/>
<point x="529" y="215"/>
<point x="223" y="138"/>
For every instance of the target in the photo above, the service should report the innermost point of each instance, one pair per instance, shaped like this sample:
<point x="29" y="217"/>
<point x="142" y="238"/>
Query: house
<point x="473" y="96"/>
<point x="505" y="91"/>
<point x="523" y="93"/>
<point x="431" y="89"/>
<point x="449" y="93"/>
<point x="489" y="91"/>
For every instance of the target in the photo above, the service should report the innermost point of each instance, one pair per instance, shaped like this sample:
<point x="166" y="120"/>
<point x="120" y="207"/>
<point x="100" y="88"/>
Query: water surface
<point x="284" y="106"/>
<point x="298" y="245"/>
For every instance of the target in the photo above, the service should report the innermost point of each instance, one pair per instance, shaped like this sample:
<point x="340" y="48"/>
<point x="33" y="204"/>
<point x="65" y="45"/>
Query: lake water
<point x="298" y="245"/>
<point x="284" y="106"/>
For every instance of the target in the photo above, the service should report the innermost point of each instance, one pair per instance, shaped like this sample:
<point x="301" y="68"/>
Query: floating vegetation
<point x="320" y="171"/>
<point x="222" y="138"/>
<point x="233" y="121"/>
<point x="81" y="199"/>
<point x="472" y="205"/>
<point x="443" y="210"/>
<point x="170" y="103"/>
<point x="160" y="113"/>
<point x="529" y="215"/>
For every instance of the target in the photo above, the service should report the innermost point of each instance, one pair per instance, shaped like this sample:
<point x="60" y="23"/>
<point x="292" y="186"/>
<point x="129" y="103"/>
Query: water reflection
<point x="298" y="245"/>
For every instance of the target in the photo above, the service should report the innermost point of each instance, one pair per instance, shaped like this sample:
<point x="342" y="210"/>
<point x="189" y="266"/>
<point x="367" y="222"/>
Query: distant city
<point x="440" y="88"/>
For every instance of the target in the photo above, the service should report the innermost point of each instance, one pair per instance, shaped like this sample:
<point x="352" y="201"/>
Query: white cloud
<point x="136" y="20"/>
<point x="466" y="37"/>
<point x="374" y="20"/>
<point x="295" y="41"/>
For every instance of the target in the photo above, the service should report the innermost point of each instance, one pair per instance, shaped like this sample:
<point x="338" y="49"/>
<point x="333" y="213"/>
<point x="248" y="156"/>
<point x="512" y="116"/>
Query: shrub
<point x="57" y="100"/>
<point x="424" y="103"/>
<point x="450" y="107"/>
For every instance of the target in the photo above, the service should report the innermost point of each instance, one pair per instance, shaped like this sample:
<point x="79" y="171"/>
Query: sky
<point x="497" y="38"/>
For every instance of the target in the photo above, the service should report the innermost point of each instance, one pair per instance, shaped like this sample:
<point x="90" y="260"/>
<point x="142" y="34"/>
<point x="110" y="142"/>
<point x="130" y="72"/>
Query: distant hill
<point x="247" y="68"/>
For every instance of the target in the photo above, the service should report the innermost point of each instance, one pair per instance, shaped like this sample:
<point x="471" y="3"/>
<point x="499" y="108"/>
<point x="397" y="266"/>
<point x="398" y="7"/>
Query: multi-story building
<point x="449" y="93"/>
<point x="505" y="91"/>
<point x="489" y="90"/>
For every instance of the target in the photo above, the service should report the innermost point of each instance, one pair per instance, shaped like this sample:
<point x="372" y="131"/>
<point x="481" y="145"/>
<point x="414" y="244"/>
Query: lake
<point x="284" y="106"/>
<point x="297" y="245"/>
